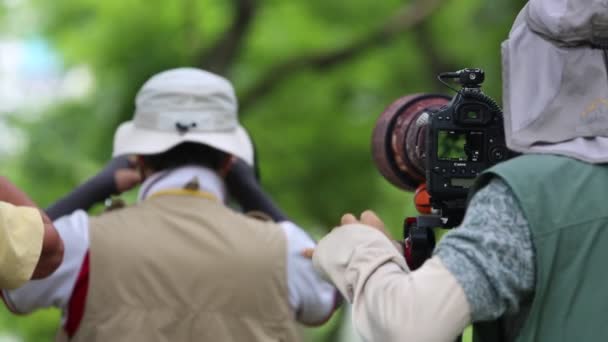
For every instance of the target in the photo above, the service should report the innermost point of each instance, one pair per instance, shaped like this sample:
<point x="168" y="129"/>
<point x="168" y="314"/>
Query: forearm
<point x="52" y="250"/>
<point x="391" y="303"/>
<point x="425" y="305"/>
<point x="91" y="192"/>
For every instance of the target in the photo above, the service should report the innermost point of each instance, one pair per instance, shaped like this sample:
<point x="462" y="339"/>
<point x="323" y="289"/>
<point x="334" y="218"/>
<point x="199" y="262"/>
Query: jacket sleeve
<point x="390" y="303"/>
<point x="491" y="254"/>
<point x="94" y="190"/>
<point x="21" y="236"/>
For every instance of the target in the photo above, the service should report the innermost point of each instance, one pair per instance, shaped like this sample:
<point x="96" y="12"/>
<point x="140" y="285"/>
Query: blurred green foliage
<point x="311" y="118"/>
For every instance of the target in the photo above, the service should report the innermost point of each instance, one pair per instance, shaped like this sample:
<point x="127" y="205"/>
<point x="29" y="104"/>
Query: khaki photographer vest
<point x="564" y="201"/>
<point x="185" y="268"/>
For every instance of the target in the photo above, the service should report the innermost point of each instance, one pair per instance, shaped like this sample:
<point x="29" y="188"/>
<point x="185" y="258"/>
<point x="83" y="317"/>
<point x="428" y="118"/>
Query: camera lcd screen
<point x="460" y="145"/>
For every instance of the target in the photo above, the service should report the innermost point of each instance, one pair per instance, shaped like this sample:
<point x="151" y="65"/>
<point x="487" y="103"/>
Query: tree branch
<point x="190" y="29"/>
<point x="220" y="56"/>
<point x="406" y="18"/>
<point x="435" y="61"/>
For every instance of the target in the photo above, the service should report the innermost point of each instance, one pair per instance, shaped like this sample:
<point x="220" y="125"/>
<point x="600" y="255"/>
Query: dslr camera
<point x="437" y="146"/>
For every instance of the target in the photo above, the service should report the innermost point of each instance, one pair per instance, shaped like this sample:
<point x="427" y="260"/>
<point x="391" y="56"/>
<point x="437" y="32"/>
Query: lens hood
<point x="398" y="140"/>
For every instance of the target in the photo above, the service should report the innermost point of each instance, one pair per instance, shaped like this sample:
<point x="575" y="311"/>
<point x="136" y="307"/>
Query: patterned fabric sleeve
<point x="491" y="254"/>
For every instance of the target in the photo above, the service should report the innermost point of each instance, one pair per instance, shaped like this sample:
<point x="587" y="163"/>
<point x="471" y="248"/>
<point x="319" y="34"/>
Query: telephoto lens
<point x="399" y="139"/>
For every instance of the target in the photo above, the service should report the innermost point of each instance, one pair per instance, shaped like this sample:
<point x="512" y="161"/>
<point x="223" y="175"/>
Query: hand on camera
<point x="367" y="218"/>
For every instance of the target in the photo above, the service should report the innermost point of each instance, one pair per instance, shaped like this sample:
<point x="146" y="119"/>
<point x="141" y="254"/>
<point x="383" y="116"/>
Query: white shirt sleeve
<point x="312" y="298"/>
<point x="56" y="289"/>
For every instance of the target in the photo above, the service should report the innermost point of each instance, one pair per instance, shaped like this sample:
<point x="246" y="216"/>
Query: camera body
<point x="441" y="142"/>
<point x="436" y="146"/>
<point x="463" y="138"/>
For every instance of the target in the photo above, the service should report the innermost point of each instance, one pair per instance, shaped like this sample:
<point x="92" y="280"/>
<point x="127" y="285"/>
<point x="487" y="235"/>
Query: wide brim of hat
<point x="130" y="139"/>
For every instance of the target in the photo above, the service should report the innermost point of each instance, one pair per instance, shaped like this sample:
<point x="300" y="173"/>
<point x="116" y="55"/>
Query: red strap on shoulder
<point x="78" y="299"/>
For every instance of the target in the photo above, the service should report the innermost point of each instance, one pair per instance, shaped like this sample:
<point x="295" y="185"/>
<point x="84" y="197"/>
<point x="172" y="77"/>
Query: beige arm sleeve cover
<point x="390" y="303"/>
<point x="21" y="236"/>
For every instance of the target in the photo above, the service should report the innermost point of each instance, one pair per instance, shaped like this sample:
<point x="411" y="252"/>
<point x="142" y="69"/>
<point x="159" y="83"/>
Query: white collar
<point x="208" y="180"/>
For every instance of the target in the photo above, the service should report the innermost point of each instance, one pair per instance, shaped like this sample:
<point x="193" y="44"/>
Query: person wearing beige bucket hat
<point x="184" y="105"/>
<point x="528" y="261"/>
<point x="180" y="265"/>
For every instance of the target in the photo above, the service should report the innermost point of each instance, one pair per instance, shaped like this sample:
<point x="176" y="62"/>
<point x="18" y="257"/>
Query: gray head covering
<point x="555" y="79"/>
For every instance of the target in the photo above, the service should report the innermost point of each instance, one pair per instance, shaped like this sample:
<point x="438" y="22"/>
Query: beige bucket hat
<point x="555" y="79"/>
<point x="184" y="105"/>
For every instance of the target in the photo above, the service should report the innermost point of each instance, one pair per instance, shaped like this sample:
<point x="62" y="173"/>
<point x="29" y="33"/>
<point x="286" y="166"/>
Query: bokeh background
<point x="312" y="76"/>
